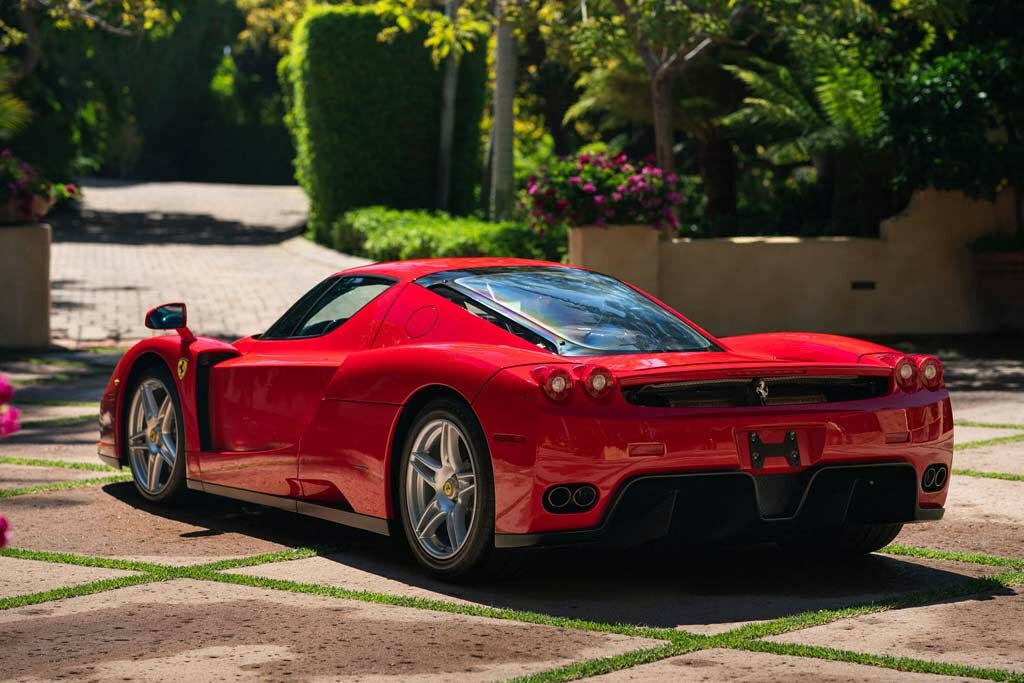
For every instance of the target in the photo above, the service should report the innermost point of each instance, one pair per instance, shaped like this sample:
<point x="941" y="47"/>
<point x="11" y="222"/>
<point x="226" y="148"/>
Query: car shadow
<point x="705" y="590"/>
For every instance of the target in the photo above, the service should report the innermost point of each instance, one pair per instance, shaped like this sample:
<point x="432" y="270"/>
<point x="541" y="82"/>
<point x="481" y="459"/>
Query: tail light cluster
<point x="918" y="370"/>
<point x="557" y="382"/>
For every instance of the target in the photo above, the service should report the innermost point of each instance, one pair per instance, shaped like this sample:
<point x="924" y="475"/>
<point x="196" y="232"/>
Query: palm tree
<point x="14" y="113"/>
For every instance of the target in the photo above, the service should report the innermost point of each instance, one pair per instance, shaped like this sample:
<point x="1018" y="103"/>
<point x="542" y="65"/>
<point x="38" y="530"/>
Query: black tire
<point x="849" y="540"/>
<point x="476" y="552"/>
<point x="175" y="486"/>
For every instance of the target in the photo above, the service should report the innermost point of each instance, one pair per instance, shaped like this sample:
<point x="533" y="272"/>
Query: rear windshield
<point x="590" y="313"/>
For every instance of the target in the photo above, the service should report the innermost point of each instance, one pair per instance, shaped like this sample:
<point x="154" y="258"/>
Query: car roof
<point x="407" y="271"/>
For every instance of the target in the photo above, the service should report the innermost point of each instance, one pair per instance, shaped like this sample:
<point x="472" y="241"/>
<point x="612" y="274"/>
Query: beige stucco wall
<point x="921" y="269"/>
<point x="25" y="283"/>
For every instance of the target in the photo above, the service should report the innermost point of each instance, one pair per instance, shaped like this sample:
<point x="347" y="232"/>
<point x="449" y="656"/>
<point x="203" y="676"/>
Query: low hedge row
<point x="385" y="234"/>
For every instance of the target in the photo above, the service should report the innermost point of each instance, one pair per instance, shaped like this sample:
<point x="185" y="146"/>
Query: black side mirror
<point x="167" y="317"/>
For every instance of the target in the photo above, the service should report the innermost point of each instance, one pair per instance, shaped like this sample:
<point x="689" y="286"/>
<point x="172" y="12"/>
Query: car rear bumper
<point x="722" y="506"/>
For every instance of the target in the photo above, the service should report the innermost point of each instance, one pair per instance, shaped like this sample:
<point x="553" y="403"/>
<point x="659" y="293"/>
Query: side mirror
<point x="167" y="317"/>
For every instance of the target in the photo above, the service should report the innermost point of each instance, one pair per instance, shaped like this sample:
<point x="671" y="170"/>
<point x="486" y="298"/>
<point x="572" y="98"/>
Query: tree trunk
<point x="718" y="174"/>
<point x="33" y="42"/>
<point x="502" y="195"/>
<point x="662" y="106"/>
<point x="449" y="87"/>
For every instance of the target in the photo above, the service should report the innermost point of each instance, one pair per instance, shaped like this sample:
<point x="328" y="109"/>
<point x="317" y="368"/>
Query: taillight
<point x="556" y="382"/>
<point x="906" y="373"/>
<point x="597" y="380"/>
<point x="929" y="371"/>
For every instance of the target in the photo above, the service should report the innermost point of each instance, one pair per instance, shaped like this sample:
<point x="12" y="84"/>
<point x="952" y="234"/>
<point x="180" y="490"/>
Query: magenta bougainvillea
<point x="26" y="191"/>
<point x="8" y="414"/>
<point x="600" y="189"/>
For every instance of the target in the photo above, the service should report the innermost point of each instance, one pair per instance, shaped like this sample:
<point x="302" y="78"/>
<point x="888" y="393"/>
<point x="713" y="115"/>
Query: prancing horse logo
<point x="760" y="390"/>
<point x="182" y="367"/>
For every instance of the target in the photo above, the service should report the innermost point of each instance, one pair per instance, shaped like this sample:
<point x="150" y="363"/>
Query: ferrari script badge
<point x="182" y="367"/>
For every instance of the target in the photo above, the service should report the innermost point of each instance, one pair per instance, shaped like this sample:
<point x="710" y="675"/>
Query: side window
<point x="282" y="329"/>
<point x="345" y="298"/>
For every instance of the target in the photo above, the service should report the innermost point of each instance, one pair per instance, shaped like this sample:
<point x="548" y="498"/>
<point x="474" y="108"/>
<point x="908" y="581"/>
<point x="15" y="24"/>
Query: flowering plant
<point x="8" y="414"/>
<point x="598" y="189"/>
<point x="24" y="194"/>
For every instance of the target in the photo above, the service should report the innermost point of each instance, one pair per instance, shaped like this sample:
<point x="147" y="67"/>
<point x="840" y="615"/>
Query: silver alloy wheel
<point x="152" y="435"/>
<point x="440" y="488"/>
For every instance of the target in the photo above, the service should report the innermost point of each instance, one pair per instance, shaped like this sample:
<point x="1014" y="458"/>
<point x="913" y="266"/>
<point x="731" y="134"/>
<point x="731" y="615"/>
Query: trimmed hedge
<point x="365" y="116"/>
<point x="385" y="234"/>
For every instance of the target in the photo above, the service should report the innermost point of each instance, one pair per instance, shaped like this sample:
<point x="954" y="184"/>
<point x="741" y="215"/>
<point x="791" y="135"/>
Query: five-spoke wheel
<point x="153" y="435"/>
<point x="445" y="490"/>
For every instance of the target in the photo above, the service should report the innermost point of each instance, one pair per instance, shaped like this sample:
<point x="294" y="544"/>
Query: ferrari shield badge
<point x="182" y="367"/>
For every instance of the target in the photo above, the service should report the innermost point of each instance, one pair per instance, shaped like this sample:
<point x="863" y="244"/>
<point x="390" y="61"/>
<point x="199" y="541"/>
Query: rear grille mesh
<point x="756" y="391"/>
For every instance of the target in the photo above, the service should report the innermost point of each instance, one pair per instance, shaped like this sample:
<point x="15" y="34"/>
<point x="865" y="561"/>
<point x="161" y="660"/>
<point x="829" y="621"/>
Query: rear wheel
<point x="446" y="491"/>
<point x="848" y="540"/>
<point x="154" y="435"/>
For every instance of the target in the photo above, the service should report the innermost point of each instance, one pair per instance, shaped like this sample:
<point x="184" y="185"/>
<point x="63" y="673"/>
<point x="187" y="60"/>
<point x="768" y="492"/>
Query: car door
<point x="262" y="401"/>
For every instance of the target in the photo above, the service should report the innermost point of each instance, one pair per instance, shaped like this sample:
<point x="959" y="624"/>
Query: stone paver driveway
<point x="232" y="252"/>
<point x="100" y="585"/>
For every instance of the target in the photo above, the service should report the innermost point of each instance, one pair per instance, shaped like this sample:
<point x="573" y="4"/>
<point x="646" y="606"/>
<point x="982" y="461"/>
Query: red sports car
<point x="482" y="405"/>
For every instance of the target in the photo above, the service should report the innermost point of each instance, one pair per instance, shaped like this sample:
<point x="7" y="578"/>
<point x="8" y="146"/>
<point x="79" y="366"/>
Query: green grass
<point x="77" y="591"/>
<point x="60" y="378"/>
<point x="56" y="402"/>
<point x="988" y="475"/>
<point x="953" y="556"/>
<point x="62" y="421"/>
<point x="84" y="560"/>
<point x="1012" y="438"/>
<point x="596" y="667"/>
<point x="44" y="360"/>
<point x="988" y="425"/>
<point x="64" y="485"/>
<point x="87" y="466"/>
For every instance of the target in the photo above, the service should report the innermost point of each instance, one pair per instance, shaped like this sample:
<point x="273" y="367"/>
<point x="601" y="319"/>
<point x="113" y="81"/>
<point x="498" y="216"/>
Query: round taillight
<point x="906" y="374"/>
<point x="555" y="382"/>
<point x="597" y="381"/>
<point x="929" y="370"/>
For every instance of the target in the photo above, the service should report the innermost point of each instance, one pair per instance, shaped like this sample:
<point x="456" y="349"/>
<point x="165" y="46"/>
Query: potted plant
<point x="615" y="208"/>
<point x="24" y="195"/>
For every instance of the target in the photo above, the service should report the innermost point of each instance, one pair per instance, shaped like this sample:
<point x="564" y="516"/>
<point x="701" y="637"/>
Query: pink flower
<point x="616" y="196"/>
<point x="6" y="154"/>
<point x="590" y="187"/>
<point x="671" y="179"/>
<point x="575" y="180"/>
<point x="6" y="391"/>
<point x="584" y="158"/>
<point x="531" y="189"/>
<point x="5" y="532"/>
<point x="70" y="189"/>
<point x="621" y="159"/>
<point x="675" y="197"/>
<point x="9" y="421"/>
<point x="598" y="199"/>
<point x="562" y="203"/>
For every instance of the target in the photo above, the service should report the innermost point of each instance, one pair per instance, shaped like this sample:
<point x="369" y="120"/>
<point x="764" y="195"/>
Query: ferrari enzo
<point x="478" y="406"/>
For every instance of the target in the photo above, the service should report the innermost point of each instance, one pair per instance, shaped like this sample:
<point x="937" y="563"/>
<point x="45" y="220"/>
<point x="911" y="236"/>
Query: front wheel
<point x="446" y="491"/>
<point x="155" y="436"/>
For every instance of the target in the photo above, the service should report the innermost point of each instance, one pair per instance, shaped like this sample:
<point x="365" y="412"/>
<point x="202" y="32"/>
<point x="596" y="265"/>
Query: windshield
<point x="590" y="313"/>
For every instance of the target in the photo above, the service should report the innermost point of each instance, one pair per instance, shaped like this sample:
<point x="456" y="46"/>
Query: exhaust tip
<point x="558" y="497"/>
<point x="934" y="478"/>
<point x="585" y="496"/>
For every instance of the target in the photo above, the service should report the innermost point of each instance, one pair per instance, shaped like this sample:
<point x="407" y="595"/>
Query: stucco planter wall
<point x="629" y="252"/>
<point x="25" y="283"/>
<point x="1001" y="284"/>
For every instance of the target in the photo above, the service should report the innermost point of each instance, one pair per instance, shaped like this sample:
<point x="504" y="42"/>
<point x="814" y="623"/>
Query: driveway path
<point x="234" y="253"/>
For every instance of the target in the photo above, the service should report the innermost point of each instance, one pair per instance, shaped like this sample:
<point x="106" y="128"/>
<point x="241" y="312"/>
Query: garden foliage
<point x="385" y="234"/>
<point x="365" y="116"/>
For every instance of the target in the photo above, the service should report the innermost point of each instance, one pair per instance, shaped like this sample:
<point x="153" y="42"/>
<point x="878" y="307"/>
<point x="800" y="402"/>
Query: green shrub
<point x="387" y="234"/>
<point x="365" y="116"/>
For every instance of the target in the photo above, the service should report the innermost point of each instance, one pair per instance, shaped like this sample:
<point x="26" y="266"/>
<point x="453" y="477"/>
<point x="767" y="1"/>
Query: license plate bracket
<point x="760" y="450"/>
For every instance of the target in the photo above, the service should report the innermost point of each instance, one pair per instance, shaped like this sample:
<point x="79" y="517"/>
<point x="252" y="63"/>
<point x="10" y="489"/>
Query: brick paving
<point x="233" y="253"/>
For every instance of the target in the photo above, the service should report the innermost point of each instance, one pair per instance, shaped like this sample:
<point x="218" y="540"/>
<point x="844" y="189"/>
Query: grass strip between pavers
<point x="63" y="421"/>
<point x="906" y="664"/>
<point x="953" y="556"/>
<point x="64" y="464"/>
<point x="55" y="402"/>
<point x="988" y="475"/>
<point x="64" y="485"/>
<point x="988" y="425"/>
<point x="604" y="665"/>
<point x="79" y="590"/>
<point x="980" y="443"/>
<point x="84" y="560"/>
